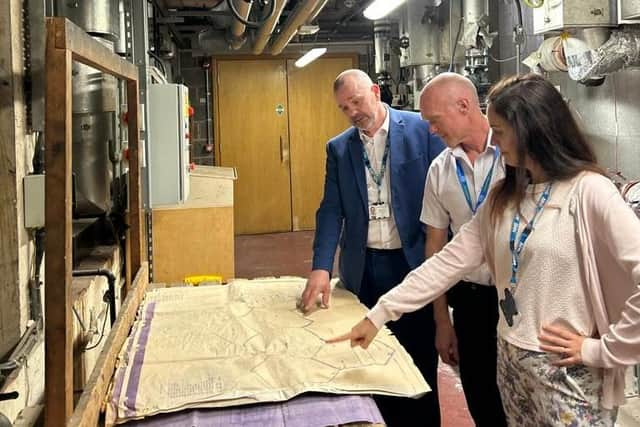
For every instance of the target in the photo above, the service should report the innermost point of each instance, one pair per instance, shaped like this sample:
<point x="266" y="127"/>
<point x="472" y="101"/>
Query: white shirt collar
<point x="384" y="128"/>
<point x="458" y="151"/>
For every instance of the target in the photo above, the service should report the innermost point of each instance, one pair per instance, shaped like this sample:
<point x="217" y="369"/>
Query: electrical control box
<point x="559" y="15"/>
<point x="168" y="143"/>
<point x="629" y="9"/>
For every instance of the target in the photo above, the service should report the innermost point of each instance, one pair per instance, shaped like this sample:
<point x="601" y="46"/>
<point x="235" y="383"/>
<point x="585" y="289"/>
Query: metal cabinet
<point x="168" y="143"/>
<point x="558" y="15"/>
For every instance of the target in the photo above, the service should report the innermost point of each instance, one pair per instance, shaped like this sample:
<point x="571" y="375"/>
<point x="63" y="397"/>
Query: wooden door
<point x="253" y="136"/>
<point x="313" y="119"/>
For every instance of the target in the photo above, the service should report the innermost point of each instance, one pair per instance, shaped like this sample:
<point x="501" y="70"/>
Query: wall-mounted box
<point x="630" y="9"/>
<point x="168" y="143"/>
<point x="558" y="15"/>
<point x="33" y="187"/>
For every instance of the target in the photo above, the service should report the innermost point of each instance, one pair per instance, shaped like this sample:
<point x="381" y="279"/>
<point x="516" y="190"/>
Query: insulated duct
<point x="621" y="50"/>
<point x="94" y="107"/>
<point x="300" y="15"/>
<point x="421" y="34"/>
<point x="95" y="100"/>
<point x="97" y="17"/>
<point x="265" y="31"/>
<point x="236" y="36"/>
<point x="381" y="37"/>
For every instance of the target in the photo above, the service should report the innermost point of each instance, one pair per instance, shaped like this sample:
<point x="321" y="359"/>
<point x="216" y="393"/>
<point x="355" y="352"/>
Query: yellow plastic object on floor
<point x="196" y="280"/>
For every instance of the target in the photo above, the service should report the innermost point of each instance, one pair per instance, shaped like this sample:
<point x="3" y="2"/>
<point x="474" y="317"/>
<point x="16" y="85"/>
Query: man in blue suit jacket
<point x="374" y="185"/>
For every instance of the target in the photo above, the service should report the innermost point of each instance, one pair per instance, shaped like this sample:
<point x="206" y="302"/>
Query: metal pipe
<point x="316" y="11"/>
<point x="111" y="280"/>
<point x="244" y="8"/>
<point x="264" y="33"/>
<point x="9" y="396"/>
<point x="473" y="10"/>
<point x="207" y="86"/>
<point x="299" y="16"/>
<point x="22" y="349"/>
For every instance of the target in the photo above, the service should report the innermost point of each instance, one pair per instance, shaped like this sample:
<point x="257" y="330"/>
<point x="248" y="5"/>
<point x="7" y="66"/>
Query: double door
<point x="272" y="123"/>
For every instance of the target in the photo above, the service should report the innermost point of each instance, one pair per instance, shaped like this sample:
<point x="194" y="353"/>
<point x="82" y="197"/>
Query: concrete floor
<point x="289" y="254"/>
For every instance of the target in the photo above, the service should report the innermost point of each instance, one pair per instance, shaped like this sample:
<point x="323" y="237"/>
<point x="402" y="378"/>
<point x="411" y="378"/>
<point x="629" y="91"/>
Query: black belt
<point x="473" y="286"/>
<point x="383" y="251"/>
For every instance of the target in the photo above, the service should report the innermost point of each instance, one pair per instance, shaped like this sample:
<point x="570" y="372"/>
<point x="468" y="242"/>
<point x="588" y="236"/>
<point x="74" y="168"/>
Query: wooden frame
<point x="67" y="43"/>
<point x="88" y="409"/>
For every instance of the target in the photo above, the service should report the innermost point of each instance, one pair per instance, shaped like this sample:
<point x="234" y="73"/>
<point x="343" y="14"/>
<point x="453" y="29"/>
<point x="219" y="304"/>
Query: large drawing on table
<point x="245" y="343"/>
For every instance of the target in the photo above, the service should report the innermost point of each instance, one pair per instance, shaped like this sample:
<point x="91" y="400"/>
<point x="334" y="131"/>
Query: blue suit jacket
<point x="343" y="213"/>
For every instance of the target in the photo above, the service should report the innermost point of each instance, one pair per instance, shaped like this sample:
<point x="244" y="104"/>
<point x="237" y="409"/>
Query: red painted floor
<point x="289" y="254"/>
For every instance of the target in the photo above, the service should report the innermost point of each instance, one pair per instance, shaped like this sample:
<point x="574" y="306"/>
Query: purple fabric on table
<point x="316" y="410"/>
<point x="138" y="360"/>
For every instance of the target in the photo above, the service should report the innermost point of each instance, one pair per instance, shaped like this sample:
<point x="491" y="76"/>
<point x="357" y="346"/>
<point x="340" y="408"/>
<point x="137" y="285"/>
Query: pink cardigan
<point x="608" y="234"/>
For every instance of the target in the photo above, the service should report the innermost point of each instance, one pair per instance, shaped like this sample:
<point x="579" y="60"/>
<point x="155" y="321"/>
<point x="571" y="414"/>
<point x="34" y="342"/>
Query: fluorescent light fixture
<point x="310" y="56"/>
<point x="381" y="8"/>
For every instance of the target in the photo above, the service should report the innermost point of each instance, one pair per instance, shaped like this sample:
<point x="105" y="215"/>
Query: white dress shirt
<point x="383" y="233"/>
<point x="444" y="203"/>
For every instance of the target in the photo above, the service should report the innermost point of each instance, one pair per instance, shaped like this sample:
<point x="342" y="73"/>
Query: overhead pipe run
<point x="236" y="37"/>
<point x="265" y="31"/>
<point x="300" y="15"/>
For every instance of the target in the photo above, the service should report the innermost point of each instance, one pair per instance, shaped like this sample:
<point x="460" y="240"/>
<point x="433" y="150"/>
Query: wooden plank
<point x="192" y="241"/>
<point x="89" y="406"/>
<point x="58" y="263"/>
<point x="136" y="246"/>
<point x="88" y="51"/>
<point x="9" y="244"/>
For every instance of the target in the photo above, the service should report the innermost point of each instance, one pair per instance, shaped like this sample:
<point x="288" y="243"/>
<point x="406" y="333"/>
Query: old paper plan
<point x="246" y="342"/>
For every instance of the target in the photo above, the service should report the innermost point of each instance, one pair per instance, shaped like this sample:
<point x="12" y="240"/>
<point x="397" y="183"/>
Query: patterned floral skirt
<point x="535" y="393"/>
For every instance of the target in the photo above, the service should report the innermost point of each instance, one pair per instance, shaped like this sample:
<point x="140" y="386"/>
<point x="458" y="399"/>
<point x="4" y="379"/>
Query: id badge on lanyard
<point x="378" y="209"/>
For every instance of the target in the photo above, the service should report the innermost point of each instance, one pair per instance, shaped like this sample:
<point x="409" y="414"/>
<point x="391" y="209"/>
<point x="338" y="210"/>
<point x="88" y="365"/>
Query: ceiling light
<point x="381" y="8"/>
<point x="310" y="56"/>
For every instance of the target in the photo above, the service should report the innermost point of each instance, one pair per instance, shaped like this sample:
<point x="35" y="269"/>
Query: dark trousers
<point x="475" y="318"/>
<point x="416" y="332"/>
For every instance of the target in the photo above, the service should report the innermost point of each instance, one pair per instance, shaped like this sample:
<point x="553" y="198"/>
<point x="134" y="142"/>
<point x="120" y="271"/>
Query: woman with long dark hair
<point x="564" y="254"/>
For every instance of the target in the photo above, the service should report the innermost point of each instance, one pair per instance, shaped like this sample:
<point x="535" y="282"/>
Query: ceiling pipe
<point x="264" y="33"/>
<point x="299" y="16"/>
<point x="316" y="11"/>
<point x="236" y="37"/>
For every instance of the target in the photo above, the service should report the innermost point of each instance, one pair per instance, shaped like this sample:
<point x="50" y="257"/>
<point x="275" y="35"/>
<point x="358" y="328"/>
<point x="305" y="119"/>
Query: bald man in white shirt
<point x="458" y="182"/>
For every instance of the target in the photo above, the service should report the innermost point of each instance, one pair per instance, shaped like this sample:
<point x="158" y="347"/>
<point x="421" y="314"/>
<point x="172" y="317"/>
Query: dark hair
<point x="545" y="130"/>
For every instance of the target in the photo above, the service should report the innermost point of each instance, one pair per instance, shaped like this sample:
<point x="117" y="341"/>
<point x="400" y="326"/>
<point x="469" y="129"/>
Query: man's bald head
<point x="449" y="86"/>
<point x="450" y="103"/>
<point x="352" y="76"/>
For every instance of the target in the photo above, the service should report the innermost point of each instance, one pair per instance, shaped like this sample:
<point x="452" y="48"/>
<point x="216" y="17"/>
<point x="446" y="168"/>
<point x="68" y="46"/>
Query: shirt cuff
<point x="378" y="316"/>
<point x="591" y="352"/>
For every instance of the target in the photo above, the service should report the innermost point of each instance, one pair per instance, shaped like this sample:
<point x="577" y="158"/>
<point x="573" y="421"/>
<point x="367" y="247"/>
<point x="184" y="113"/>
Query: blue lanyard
<point x="377" y="177"/>
<point x="462" y="179"/>
<point x="516" y="250"/>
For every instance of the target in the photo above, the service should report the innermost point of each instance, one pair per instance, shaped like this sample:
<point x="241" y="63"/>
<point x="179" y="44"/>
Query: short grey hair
<point x="355" y="74"/>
